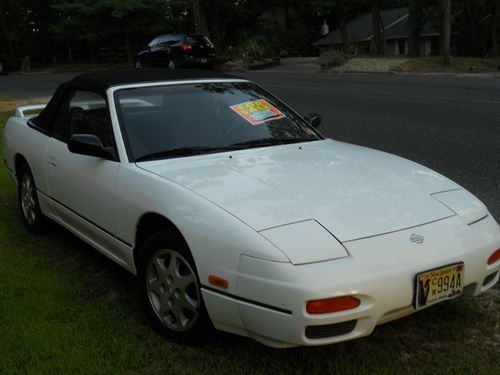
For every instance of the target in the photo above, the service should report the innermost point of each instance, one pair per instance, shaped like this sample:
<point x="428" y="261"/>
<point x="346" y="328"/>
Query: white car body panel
<point x="357" y="208"/>
<point x="354" y="192"/>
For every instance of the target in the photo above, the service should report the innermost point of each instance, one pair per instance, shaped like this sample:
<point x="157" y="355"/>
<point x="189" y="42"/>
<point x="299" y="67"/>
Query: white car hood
<point x="354" y="192"/>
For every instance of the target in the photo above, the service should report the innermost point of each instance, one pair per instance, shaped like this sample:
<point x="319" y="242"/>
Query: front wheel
<point x="31" y="215"/>
<point x="170" y="289"/>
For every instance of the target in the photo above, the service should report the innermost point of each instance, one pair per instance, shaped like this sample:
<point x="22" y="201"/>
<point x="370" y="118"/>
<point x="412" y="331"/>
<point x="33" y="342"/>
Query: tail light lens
<point x="186" y="47"/>
<point x="495" y="257"/>
<point x="330" y="305"/>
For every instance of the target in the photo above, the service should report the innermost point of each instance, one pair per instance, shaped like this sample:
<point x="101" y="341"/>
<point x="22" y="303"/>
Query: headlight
<point x="305" y="242"/>
<point x="464" y="204"/>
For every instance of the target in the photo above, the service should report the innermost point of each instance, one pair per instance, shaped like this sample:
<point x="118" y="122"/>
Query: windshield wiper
<point x="269" y="142"/>
<point x="184" y="151"/>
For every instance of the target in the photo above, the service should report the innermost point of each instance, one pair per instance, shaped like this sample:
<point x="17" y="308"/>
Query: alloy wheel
<point x="28" y="203"/>
<point x="173" y="290"/>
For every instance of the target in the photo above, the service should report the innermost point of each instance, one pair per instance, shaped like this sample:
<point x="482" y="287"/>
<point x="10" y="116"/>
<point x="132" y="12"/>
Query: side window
<point x="162" y="39"/>
<point x="153" y="43"/>
<point x="84" y="112"/>
<point x="174" y="39"/>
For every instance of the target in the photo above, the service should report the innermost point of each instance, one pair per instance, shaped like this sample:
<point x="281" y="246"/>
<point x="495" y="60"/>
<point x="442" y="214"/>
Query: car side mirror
<point x="87" y="144"/>
<point x="314" y="119"/>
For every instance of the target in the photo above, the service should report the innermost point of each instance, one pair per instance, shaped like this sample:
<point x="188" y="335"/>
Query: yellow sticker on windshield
<point x="257" y="112"/>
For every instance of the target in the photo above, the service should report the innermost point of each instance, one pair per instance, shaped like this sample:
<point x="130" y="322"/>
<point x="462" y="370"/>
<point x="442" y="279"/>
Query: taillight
<point x="495" y="257"/>
<point x="329" y="305"/>
<point x="186" y="47"/>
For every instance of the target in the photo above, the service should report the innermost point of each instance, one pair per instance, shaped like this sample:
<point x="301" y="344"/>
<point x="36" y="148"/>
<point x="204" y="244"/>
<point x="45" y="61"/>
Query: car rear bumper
<point x="195" y="62"/>
<point x="380" y="272"/>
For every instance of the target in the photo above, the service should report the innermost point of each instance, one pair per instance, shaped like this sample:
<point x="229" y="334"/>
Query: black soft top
<point x="101" y="81"/>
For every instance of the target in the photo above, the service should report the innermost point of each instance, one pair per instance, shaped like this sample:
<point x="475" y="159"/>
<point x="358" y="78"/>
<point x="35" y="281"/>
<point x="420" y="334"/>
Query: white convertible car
<point x="235" y="212"/>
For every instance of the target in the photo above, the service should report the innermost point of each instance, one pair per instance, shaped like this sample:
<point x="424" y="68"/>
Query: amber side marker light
<point x="218" y="281"/>
<point x="329" y="305"/>
<point x="494" y="257"/>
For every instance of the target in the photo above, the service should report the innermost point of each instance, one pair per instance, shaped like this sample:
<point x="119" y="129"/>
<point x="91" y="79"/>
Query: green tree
<point x="12" y="19"/>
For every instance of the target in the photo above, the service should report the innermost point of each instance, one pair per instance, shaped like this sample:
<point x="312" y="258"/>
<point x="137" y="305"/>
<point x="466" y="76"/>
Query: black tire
<point x="29" y="208"/>
<point x="177" y="312"/>
<point x="139" y="64"/>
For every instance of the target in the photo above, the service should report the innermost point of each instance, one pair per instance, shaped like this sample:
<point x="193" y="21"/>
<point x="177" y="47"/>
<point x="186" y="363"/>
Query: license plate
<point x="439" y="285"/>
<point x="204" y="61"/>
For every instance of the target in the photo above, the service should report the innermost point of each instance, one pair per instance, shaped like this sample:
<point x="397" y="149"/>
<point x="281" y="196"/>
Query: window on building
<point x="402" y="47"/>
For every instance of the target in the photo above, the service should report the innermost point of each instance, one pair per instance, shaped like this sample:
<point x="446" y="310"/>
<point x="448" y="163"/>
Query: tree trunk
<point x="285" y="9"/>
<point x="128" y="48"/>
<point x="446" y="31"/>
<point x="70" y="53"/>
<point x="377" y="38"/>
<point x="474" y="48"/>
<point x="343" y="30"/>
<point x="383" y="47"/>
<point x="5" y="28"/>
<point x="494" y="29"/>
<point x="200" y="21"/>
<point x="414" y="28"/>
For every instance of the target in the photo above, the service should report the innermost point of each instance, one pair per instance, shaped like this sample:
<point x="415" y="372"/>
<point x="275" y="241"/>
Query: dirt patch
<point x="11" y="105"/>
<point x="370" y="65"/>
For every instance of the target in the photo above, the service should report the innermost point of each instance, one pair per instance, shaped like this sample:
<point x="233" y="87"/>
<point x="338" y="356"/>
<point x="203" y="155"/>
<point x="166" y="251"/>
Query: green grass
<point x="66" y="309"/>
<point x="458" y="65"/>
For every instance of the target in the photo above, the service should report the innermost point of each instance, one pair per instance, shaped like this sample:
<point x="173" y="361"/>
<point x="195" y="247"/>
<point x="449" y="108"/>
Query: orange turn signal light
<point x="330" y="305"/>
<point x="494" y="257"/>
<point x="218" y="281"/>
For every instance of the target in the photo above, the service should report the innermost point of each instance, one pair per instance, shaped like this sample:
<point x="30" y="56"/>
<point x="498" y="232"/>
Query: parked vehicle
<point x="234" y="211"/>
<point x="177" y="51"/>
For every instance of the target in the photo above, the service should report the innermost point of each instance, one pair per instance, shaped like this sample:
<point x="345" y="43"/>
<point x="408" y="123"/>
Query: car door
<point x="80" y="186"/>
<point x="160" y="51"/>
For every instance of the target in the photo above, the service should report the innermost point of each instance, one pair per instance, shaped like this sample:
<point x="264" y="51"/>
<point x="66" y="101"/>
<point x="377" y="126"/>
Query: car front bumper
<point x="270" y="305"/>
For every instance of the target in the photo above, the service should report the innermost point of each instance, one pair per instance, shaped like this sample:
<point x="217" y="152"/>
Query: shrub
<point x="331" y="59"/>
<point x="254" y="49"/>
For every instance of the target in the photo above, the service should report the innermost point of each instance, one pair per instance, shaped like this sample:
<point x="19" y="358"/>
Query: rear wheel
<point x="170" y="289"/>
<point x="31" y="215"/>
<point x="139" y="64"/>
<point x="172" y="64"/>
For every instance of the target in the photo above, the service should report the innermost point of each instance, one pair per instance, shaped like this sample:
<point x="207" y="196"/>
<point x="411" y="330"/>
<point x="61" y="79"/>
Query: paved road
<point x="451" y="124"/>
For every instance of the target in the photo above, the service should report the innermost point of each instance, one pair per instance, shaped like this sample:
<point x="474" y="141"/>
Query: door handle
<point x="52" y="164"/>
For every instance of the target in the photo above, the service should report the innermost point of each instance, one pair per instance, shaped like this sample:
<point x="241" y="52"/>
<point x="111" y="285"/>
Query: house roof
<point x="400" y="30"/>
<point x="361" y="28"/>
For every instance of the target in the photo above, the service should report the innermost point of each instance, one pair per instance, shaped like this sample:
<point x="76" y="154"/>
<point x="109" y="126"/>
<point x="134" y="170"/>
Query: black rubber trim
<point x="488" y="279"/>
<point x="87" y="220"/>
<point x="246" y="300"/>
<point x="330" y="330"/>
<point x="38" y="128"/>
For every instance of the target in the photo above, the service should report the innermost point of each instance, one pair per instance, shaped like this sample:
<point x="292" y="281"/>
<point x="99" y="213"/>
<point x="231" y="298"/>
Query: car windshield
<point x="189" y="119"/>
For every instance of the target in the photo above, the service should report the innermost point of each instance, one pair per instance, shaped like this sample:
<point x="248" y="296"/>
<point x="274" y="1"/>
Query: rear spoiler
<point x="20" y="110"/>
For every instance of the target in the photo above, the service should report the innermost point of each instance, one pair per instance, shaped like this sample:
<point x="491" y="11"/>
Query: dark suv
<point x="177" y="50"/>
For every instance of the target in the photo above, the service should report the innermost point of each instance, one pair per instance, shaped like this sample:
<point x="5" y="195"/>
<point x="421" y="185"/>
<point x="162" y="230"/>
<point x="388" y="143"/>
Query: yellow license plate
<point x="439" y="285"/>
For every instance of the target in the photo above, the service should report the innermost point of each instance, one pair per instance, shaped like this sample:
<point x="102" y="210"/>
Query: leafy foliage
<point x="59" y="30"/>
